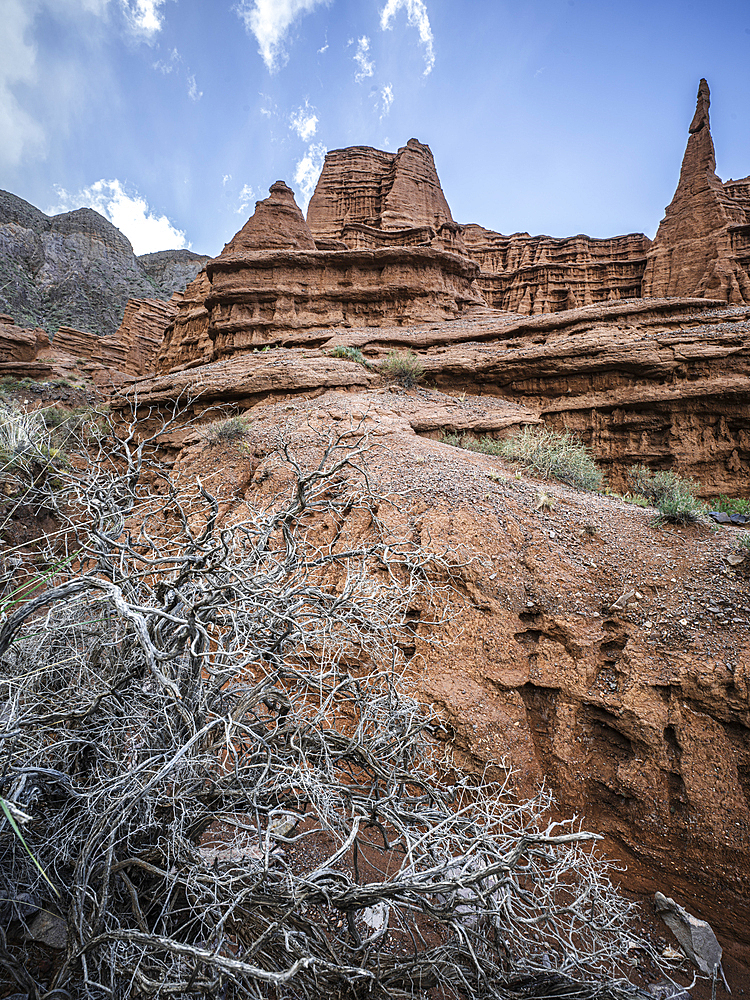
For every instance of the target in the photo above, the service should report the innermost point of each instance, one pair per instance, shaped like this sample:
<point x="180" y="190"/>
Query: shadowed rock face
<point x="702" y="246"/>
<point x="77" y="269"/>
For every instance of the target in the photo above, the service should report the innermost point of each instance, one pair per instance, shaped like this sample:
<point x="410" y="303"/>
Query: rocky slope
<point x="77" y="269"/>
<point x="586" y="646"/>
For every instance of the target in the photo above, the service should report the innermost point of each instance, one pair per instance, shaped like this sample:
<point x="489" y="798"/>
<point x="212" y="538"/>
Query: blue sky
<point x="552" y="116"/>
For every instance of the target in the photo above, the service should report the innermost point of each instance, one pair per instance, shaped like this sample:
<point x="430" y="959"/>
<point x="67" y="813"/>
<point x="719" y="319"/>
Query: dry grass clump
<point x="551" y="454"/>
<point x="673" y="496"/>
<point x="228" y="430"/>
<point x="403" y="367"/>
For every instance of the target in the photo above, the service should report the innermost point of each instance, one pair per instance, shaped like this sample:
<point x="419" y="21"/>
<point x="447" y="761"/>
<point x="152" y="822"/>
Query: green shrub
<point x="485" y="444"/>
<point x="228" y="430"/>
<point x="731" y="505"/>
<point x="403" y="367"/>
<point x="554" y="455"/>
<point x="673" y="496"/>
<point x="349" y="354"/>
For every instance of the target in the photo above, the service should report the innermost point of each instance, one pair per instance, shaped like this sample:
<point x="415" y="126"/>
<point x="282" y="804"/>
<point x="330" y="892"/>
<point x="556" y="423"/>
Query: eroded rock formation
<point x="539" y="274"/>
<point x="271" y="286"/>
<point x="702" y="246"/>
<point x="368" y="198"/>
<point x="130" y="352"/>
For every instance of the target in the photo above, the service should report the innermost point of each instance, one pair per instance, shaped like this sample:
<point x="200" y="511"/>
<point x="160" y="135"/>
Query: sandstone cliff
<point x="369" y="198"/>
<point x="270" y="285"/>
<point x="77" y="269"/>
<point x="702" y="246"/>
<point x="538" y="274"/>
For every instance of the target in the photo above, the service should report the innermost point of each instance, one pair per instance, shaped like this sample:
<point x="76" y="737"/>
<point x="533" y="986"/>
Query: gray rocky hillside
<point x="77" y="269"/>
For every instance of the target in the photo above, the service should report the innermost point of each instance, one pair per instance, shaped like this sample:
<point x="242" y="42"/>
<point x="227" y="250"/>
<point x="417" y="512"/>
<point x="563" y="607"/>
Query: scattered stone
<point x="695" y="936"/>
<point x="622" y="602"/>
<point x="47" y="928"/>
<point x="720" y="516"/>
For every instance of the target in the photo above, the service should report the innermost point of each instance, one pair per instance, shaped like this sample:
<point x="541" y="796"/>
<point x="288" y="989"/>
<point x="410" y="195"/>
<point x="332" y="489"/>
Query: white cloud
<point x="307" y="172"/>
<point x="323" y="49"/>
<point x="386" y="99"/>
<point x="270" y="21"/>
<point x="193" y="93"/>
<point x="225" y="179"/>
<point x="143" y="17"/>
<point x="20" y="133"/>
<point x="129" y="212"/>
<point x="304" y="121"/>
<point x="416" y="13"/>
<point x="168" y="67"/>
<point x="246" y="196"/>
<point x="361" y="57"/>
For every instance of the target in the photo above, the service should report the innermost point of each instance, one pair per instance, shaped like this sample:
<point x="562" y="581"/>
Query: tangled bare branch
<point x="230" y="786"/>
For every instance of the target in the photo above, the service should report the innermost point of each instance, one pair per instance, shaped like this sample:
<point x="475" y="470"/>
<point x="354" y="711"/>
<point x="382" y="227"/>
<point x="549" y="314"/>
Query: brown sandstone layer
<point x="664" y="383"/>
<point x="271" y="286"/>
<point x="368" y="198"/>
<point x="539" y="274"/>
<point x="702" y="246"/>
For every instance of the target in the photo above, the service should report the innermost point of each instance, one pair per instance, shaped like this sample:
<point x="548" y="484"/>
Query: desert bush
<point x="554" y="454"/>
<point x="227" y="430"/>
<point x="403" y="367"/>
<point x="349" y="354"/>
<point x="673" y="496"/>
<point x="229" y="785"/>
<point x="730" y="505"/>
<point x="25" y="440"/>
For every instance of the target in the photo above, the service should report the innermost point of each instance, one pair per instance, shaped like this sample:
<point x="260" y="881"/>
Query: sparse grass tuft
<point x="554" y="455"/>
<point x="673" y="496"/>
<point x="349" y="354"/>
<point x="227" y="430"/>
<point x="485" y="444"/>
<point x="403" y="367"/>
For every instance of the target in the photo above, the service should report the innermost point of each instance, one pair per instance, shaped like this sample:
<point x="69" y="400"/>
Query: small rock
<point x="720" y="517"/>
<point x="49" y="929"/>
<point x="735" y="558"/>
<point x="695" y="936"/>
<point x="622" y="601"/>
<point x="738" y="519"/>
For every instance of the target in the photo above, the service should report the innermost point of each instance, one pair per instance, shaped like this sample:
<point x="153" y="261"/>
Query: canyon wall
<point x="270" y="285"/>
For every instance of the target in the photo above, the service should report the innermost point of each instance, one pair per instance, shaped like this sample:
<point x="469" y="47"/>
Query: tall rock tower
<point x="702" y="246"/>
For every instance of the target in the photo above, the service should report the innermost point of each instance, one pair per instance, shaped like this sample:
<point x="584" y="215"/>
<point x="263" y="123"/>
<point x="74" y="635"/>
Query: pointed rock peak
<point x="276" y="224"/>
<point x="700" y="118"/>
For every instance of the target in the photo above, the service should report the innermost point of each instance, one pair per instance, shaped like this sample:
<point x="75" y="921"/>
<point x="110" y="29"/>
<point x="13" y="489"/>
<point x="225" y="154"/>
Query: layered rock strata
<point x="702" y="246"/>
<point x="539" y="274"/>
<point x="271" y="286"/>
<point x="368" y="198"/>
<point x="661" y="382"/>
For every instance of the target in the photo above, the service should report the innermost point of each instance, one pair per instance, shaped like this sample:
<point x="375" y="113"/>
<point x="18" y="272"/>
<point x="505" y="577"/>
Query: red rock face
<point x="368" y="198"/>
<point x="276" y="224"/>
<point x="702" y="246"/>
<point x="538" y="274"/>
<point x="270" y="285"/>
